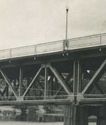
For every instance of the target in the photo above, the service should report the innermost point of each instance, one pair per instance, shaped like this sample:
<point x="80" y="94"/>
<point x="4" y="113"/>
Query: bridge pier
<point x="83" y="116"/>
<point x="74" y="115"/>
<point x="23" y="116"/>
<point x="68" y="115"/>
<point x="102" y="116"/>
<point x="78" y="115"/>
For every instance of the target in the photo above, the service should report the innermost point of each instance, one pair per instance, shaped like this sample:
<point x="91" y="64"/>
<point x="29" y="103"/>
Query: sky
<point x="28" y="22"/>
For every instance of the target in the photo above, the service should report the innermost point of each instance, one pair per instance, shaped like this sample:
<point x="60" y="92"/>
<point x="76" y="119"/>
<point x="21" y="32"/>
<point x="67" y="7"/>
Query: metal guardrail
<point x="56" y="46"/>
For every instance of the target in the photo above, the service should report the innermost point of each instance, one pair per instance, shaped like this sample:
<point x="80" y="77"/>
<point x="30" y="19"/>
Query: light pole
<point x="66" y="23"/>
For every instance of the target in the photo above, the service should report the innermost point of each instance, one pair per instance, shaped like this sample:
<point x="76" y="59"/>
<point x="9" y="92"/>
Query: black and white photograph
<point x="52" y="62"/>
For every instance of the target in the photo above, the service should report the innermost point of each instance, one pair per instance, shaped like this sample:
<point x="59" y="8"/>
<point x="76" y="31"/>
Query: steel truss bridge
<point x="67" y="72"/>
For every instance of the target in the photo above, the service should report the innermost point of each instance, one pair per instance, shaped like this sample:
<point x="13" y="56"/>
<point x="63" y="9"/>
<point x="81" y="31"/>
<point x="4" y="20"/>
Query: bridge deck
<point x="86" y="42"/>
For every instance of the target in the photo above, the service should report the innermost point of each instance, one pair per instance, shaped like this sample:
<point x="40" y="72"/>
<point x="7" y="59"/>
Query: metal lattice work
<point x="35" y="82"/>
<point x="82" y="79"/>
<point x="74" y="77"/>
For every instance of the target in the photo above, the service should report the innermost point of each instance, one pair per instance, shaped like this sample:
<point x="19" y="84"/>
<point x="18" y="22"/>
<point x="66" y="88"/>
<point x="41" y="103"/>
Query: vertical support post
<point x="76" y="86"/>
<point x="72" y="111"/>
<point x="20" y="81"/>
<point x="76" y="78"/>
<point x="7" y="90"/>
<point x="45" y="86"/>
<point x="52" y="92"/>
<point x="79" y="77"/>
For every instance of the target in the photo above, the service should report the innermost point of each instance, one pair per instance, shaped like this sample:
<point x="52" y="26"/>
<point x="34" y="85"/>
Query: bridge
<point x="67" y="72"/>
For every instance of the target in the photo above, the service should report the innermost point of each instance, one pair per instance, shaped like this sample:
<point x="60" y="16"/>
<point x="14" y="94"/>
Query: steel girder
<point x="58" y="81"/>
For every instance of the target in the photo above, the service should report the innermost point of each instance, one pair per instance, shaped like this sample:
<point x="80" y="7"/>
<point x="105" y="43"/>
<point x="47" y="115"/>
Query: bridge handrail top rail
<point x="56" y="41"/>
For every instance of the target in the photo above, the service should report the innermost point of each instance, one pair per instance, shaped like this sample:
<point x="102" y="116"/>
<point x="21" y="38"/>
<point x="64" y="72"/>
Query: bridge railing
<point x="56" y="46"/>
<point x="85" y="42"/>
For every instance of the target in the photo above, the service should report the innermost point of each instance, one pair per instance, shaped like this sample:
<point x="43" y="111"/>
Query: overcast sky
<point x="27" y="22"/>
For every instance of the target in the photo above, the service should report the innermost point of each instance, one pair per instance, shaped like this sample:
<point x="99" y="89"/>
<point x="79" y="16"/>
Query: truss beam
<point x="36" y="102"/>
<point x="99" y="88"/>
<point x="32" y="81"/>
<point x="59" y="78"/>
<point x="95" y="77"/>
<point x="9" y="84"/>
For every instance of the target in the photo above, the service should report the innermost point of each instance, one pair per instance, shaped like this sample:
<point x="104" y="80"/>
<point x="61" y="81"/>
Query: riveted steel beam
<point x="76" y="79"/>
<point x="97" y="74"/>
<point x="20" y="81"/>
<point x="9" y="84"/>
<point x="45" y="86"/>
<point x="59" y="78"/>
<point x="34" y="78"/>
